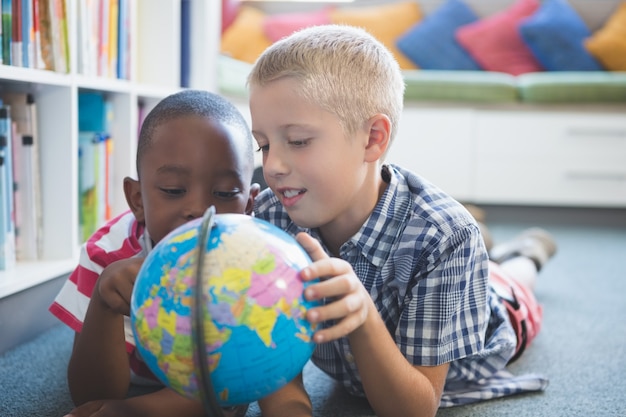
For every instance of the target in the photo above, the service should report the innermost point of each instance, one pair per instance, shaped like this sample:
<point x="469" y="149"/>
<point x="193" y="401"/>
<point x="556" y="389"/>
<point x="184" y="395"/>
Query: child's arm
<point x="165" y="403"/>
<point x="99" y="369"/>
<point x="290" y="401"/>
<point x="99" y="366"/>
<point x="393" y="386"/>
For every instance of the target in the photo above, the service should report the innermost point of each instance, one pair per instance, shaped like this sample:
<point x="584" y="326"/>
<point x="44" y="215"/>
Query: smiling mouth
<point x="292" y="193"/>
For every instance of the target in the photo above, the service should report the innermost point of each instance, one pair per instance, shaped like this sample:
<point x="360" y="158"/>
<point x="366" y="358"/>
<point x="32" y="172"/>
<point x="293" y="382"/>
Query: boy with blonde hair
<point x="409" y="320"/>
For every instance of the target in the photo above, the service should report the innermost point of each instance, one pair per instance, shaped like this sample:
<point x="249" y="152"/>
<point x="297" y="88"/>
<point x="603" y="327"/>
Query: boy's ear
<point x="255" y="189"/>
<point x="378" y="138"/>
<point x="132" y="191"/>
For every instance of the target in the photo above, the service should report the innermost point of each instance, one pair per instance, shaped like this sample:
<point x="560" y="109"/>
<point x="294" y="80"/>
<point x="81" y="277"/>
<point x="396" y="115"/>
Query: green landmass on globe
<point x="256" y="337"/>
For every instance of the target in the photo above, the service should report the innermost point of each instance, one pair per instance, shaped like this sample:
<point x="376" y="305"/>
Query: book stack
<point x="21" y="211"/>
<point x="104" y="38"/>
<point x="95" y="154"/>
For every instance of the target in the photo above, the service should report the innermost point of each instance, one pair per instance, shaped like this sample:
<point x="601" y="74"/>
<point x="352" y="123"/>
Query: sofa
<point x="507" y="101"/>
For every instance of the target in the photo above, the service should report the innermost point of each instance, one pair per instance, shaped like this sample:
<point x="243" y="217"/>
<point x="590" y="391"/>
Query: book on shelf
<point x="16" y="34"/>
<point x="111" y="68"/>
<point x="92" y="181"/>
<point x="1" y="43"/>
<point x="123" y="40"/>
<point x="7" y="24"/>
<point x="7" y="208"/>
<point x="185" y="42"/>
<point x="95" y="162"/>
<point x="35" y="35"/>
<point x="59" y="39"/>
<point x="27" y="176"/>
<point x="87" y="32"/>
<point x="45" y="35"/>
<point x="27" y="41"/>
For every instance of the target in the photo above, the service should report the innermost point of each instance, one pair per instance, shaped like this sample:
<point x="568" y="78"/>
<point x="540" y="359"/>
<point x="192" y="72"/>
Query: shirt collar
<point x="377" y="235"/>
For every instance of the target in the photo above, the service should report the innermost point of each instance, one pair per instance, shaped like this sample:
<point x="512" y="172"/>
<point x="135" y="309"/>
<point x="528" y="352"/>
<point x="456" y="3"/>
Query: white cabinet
<point x="518" y="155"/>
<point x="154" y="73"/>
<point x="437" y="144"/>
<point x="551" y="158"/>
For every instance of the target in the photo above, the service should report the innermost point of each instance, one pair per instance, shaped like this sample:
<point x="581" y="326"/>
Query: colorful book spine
<point x="7" y="31"/>
<point x="7" y="225"/>
<point x="16" y="34"/>
<point x="103" y="40"/>
<point x="123" y="41"/>
<point x="45" y="35"/>
<point x="113" y="38"/>
<point x="27" y="24"/>
<point x="36" y="37"/>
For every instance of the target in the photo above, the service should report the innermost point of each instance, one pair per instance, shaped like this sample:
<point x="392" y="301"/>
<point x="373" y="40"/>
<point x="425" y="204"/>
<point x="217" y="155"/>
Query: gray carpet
<point x="582" y="346"/>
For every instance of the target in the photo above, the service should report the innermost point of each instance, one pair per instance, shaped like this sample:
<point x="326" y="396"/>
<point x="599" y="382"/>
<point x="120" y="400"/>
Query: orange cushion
<point x="278" y="26"/>
<point x="244" y="39"/>
<point x="608" y="44"/>
<point x="385" y="22"/>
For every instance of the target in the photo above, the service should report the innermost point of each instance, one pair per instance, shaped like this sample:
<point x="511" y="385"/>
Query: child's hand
<point x="351" y="301"/>
<point x="115" y="285"/>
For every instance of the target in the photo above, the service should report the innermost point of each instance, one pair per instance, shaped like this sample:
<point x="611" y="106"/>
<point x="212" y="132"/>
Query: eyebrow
<point x="288" y="127"/>
<point x="172" y="168"/>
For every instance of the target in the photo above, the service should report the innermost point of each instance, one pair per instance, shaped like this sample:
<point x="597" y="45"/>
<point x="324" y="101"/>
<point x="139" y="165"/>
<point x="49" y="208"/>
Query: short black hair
<point x="193" y="103"/>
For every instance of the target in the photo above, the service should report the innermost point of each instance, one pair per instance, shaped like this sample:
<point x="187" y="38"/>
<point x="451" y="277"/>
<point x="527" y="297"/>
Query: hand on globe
<point x="115" y="284"/>
<point x="351" y="302"/>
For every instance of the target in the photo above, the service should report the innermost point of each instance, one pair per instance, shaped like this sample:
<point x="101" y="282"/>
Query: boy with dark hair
<point x="194" y="151"/>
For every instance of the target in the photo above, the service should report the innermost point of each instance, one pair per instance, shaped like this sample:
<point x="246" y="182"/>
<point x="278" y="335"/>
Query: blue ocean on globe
<point x="256" y="337"/>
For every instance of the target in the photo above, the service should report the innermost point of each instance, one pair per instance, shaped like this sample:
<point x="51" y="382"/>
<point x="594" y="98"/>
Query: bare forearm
<point x="99" y="367"/>
<point x="290" y="401"/>
<point x="166" y="403"/>
<point x="392" y="385"/>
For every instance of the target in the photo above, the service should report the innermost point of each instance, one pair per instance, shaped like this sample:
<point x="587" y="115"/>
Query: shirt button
<point x="349" y="358"/>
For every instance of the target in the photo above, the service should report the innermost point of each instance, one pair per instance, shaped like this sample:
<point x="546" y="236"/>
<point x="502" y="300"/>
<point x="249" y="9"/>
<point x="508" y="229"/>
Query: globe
<point x="217" y="310"/>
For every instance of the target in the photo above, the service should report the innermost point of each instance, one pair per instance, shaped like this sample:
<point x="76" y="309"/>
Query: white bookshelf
<point x="154" y="73"/>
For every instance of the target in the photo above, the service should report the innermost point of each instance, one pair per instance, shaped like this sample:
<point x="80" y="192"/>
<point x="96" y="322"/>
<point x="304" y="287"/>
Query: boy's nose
<point x="274" y="163"/>
<point x="197" y="206"/>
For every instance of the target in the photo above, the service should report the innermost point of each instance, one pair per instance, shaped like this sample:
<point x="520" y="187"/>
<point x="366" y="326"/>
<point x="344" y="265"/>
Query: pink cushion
<point x="230" y="8"/>
<point x="277" y="26"/>
<point x="495" y="42"/>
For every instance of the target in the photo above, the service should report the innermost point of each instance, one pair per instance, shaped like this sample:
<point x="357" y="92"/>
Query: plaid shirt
<point x="421" y="257"/>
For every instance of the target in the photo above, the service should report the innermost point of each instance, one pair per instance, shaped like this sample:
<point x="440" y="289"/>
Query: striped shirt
<point x="422" y="259"/>
<point x="121" y="238"/>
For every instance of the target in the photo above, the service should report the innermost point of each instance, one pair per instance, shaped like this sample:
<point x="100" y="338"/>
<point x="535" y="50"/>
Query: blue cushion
<point x="555" y="35"/>
<point x="430" y="44"/>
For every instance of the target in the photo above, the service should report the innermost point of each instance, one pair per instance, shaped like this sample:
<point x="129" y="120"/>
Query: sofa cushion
<point x="608" y="44"/>
<point x="459" y="86"/>
<point x="430" y="44"/>
<point x="495" y="43"/>
<point x="386" y="22"/>
<point x="573" y="87"/>
<point x="555" y="35"/>
<point x="278" y="26"/>
<point x="230" y="8"/>
<point x="244" y="38"/>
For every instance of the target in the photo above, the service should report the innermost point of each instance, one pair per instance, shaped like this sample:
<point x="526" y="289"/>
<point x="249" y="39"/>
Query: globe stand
<point x="207" y="393"/>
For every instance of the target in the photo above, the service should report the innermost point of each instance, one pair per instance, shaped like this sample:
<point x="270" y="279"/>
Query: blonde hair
<point x="343" y="69"/>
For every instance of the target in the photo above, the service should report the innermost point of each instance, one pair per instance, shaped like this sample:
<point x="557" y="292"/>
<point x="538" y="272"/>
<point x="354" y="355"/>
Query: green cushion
<point x="232" y="75"/>
<point x="459" y="86"/>
<point x="573" y="87"/>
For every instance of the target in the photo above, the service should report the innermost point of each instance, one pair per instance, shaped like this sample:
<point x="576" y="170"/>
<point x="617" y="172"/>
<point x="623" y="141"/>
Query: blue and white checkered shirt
<point x="422" y="259"/>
